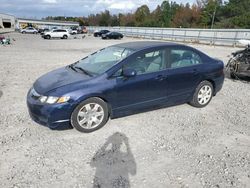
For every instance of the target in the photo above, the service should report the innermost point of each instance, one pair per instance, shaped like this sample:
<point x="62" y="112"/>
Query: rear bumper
<point x="218" y="84"/>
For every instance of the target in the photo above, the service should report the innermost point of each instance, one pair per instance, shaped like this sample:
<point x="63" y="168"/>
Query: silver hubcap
<point x="90" y="115"/>
<point x="204" y="95"/>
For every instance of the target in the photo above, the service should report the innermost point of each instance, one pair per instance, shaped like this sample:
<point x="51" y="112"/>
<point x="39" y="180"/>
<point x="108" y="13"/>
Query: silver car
<point x="29" y="30"/>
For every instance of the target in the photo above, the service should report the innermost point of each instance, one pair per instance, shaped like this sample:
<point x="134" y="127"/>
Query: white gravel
<point x="179" y="146"/>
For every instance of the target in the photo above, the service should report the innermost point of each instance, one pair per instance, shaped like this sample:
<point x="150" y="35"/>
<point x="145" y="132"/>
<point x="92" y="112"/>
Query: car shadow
<point x="114" y="162"/>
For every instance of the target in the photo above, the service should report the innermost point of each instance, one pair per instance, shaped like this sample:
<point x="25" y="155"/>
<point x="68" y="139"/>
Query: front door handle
<point x="194" y="71"/>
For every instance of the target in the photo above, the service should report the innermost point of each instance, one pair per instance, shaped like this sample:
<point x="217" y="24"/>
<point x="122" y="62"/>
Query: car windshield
<point x="102" y="60"/>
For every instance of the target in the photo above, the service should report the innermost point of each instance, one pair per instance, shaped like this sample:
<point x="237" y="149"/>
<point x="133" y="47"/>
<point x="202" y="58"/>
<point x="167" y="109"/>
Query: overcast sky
<point x="43" y="8"/>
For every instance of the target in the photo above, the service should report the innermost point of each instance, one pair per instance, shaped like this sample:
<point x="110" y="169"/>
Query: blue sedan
<point x="121" y="80"/>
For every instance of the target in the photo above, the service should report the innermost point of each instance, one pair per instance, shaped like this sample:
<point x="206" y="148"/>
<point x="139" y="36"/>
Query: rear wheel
<point x="90" y="115"/>
<point x="203" y="94"/>
<point x="65" y="36"/>
<point x="23" y="32"/>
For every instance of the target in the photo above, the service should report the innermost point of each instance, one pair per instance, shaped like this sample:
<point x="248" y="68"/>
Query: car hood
<point x="58" y="78"/>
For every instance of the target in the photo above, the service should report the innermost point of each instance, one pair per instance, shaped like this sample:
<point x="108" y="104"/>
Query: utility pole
<point x="213" y="17"/>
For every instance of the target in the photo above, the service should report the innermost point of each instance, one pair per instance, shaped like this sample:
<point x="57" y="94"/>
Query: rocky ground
<point x="179" y="146"/>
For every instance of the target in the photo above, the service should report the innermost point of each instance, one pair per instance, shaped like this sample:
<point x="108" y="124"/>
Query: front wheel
<point x="65" y="36"/>
<point x="48" y="37"/>
<point x="203" y="94"/>
<point x="90" y="115"/>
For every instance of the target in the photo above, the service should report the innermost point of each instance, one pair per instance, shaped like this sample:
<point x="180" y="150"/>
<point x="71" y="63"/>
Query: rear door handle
<point x="160" y="77"/>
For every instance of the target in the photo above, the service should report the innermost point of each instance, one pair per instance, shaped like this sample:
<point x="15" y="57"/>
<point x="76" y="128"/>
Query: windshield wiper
<point x="83" y="70"/>
<point x="72" y="67"/>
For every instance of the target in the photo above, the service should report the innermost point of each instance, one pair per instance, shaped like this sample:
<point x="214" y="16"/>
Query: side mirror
<point x="129" y="72"/>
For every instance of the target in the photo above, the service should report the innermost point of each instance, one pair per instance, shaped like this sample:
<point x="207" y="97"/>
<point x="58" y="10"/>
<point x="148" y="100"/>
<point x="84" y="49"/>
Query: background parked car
<point x="112" y="35"/>
<point x="42" y="31"/>
<point x="73" y="31"/>
<point x="239" y="63"/>
<point x="100" y="33"/>
<point x="29" y="30"/>
<point x="82" y="30"/>
<point x="56" y="33"/>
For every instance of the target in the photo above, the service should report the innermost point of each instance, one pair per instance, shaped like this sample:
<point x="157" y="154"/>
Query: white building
<point x="41" y="24"/>
<point x="7" y="23"/>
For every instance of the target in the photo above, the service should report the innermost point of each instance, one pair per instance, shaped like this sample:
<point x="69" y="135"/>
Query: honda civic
<point x="121" y="80"/>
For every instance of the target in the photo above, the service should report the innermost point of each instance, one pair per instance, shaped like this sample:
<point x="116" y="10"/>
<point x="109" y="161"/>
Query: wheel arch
<point x="213" y="84"/>
<point x="100" y="96"/>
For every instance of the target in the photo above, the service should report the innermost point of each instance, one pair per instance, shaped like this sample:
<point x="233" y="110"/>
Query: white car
<point x="56" y="33"/>
<point x="29" y="30"/>
<point x="73" y="31"/>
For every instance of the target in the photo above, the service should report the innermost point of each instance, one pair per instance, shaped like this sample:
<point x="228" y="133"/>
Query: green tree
<point x="210" y="10"/>
<point x="166" y="14"/>
<point x="156" y="18"/>
<point x="105" y="18"/>
<point x="114" y="20"/>
<point x="142" y="15"/>
<point x="236" y="13"/>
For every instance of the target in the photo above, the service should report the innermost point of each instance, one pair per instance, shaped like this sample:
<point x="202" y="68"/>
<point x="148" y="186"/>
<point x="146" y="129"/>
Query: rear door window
<point x="183" y="58"/>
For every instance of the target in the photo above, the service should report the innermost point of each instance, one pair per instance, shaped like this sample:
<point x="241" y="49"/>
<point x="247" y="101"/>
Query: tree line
<point x="202" y="14"/>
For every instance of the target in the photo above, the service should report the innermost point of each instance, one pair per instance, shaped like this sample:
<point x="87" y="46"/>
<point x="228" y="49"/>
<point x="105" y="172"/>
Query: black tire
<point x="195" y="100"/>
<point x="23" y="32"/>
<point x="65" y="36"/>
<point x="74" y="115"/>
<point x="232" y="75"/>
<point x="48" y="37"/>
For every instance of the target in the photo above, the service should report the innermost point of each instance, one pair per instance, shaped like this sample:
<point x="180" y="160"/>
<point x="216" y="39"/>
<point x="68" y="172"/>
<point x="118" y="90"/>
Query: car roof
<point x="139" y="45"/>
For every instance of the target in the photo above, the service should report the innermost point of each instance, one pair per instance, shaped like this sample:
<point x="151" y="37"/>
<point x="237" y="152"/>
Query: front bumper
<point x="54" y="116"/>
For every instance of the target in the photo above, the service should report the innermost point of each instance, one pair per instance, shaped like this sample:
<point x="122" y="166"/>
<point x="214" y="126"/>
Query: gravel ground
<point x="179" y="146"/>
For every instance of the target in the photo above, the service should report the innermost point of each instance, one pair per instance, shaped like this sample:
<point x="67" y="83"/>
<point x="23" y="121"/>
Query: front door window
<point x="148" y="62"/>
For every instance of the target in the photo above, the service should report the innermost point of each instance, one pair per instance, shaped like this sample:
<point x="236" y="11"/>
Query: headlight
<point x="53" y="100"/>
<point x="43" y="99"/>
